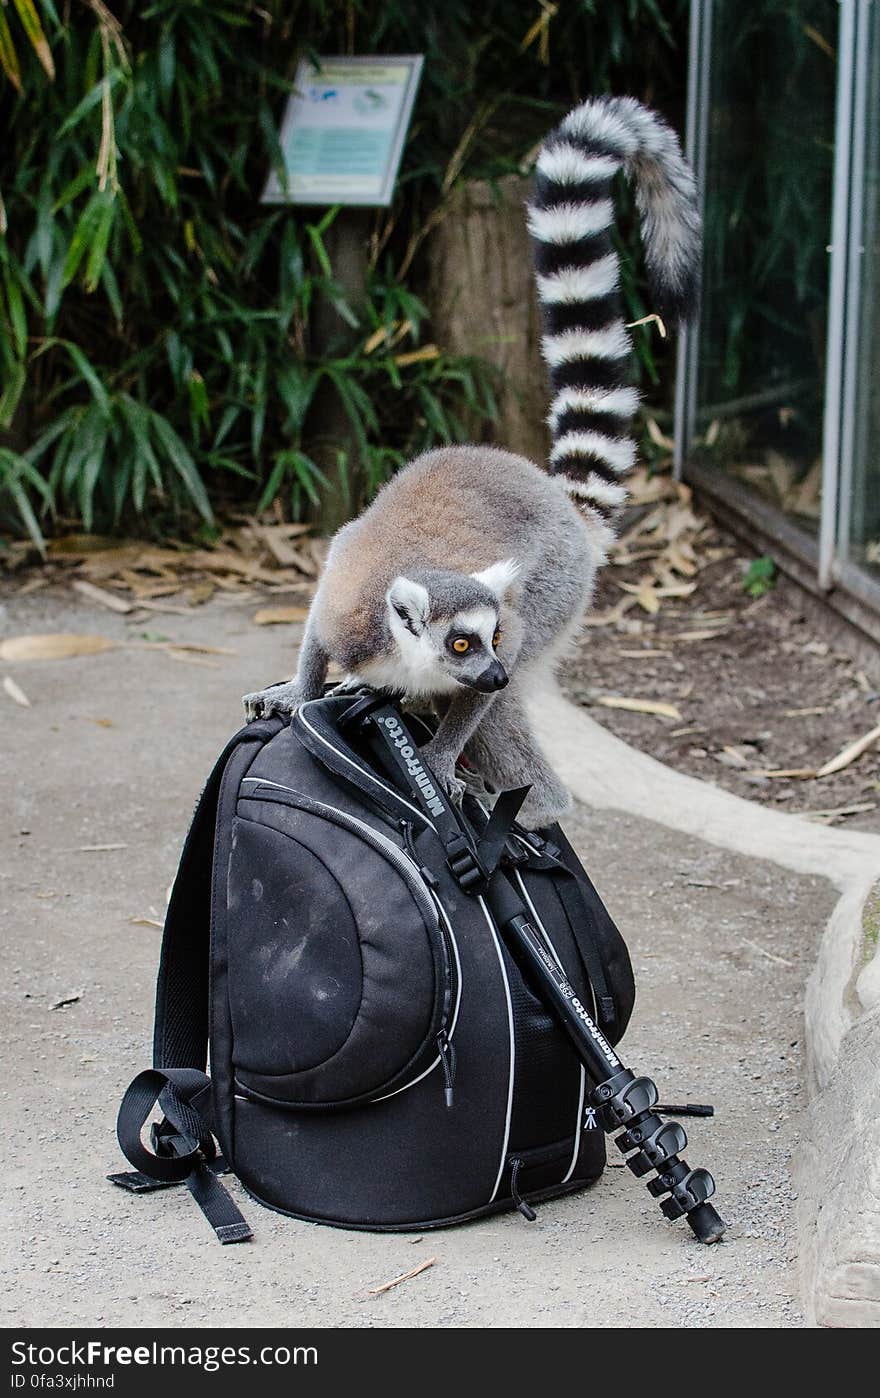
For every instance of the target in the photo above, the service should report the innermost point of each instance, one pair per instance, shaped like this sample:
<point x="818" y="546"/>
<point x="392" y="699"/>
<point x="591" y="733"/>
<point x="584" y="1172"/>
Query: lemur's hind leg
<point x="505" y="752"/>
<point x="286" y="698"/>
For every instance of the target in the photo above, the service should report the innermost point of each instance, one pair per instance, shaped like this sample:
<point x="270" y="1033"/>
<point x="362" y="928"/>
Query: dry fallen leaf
<point x="404" y="1276"/>
<point x="32" y="585"/>
<point x="102" y="596"/>
<point x="786" y="773"/>
<point x="640" y="706"/>
<point x="195" y="646"/>
<point x="60" y="645"/>
<point x="177" y="653"/>
<point x="15" y="692"/>
<point x="417" y="356"/>
<point x="200" y="592"/>
<point x="145" y="922"/>
<point x="689" y="636"/>
<point x="612" y="615"/>
<point x="850" y="753"/>
<point x="277" y="616"/>
<point x="835" y="812"/>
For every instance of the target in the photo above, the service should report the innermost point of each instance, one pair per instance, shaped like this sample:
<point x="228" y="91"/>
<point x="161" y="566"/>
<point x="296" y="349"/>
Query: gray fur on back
<point x="458" y="509"/>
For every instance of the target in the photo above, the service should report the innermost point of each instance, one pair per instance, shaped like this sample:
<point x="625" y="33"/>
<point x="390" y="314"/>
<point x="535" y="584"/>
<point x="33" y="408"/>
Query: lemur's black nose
<point x="495" y="677"/>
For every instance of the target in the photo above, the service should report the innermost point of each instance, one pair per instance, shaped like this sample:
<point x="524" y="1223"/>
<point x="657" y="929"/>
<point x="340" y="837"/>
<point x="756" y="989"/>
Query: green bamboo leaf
<point x="8" y="56"/>
<point x="47" y="438"/>
<point x="15" y="470"/>
<point x="83" y="234"/>
<point x="145" y="465"/>
<point x="83" y="180"/>
<point x="17" y="316"/>
<point x="83" y="367"/>
<point x="92" y="99"/>
<point x="86" y="463"/>
<point x="111" y="291"/>
<point x="182" y="462"/>
<point x="34" y="30"/>
<point x="98" y="250"/>
<point x="198" y="397"/>
<point x="320" y="251"/>
<point x="16" y="378"/>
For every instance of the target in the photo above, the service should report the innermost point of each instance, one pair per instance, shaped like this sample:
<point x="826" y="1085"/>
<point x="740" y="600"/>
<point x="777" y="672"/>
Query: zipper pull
<point x="446" y="1051"/>
<point x="524" y="1207"/>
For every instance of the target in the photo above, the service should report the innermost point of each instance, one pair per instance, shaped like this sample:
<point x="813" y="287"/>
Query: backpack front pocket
<point x="339" y="945"/>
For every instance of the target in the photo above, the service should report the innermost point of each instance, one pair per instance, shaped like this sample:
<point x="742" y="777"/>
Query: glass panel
<point x="865" y="499"/>
<point x="768" y="213"/>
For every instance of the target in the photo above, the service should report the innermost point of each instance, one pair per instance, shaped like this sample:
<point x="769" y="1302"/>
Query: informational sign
<point x="343" y="130"/>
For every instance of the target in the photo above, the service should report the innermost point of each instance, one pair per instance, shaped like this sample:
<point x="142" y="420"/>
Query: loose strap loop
<point x="183" y="1146"/>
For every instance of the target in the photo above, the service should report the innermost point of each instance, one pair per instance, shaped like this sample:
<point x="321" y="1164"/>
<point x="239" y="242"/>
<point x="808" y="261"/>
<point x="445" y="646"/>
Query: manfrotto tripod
<point x="622" y="1101"/>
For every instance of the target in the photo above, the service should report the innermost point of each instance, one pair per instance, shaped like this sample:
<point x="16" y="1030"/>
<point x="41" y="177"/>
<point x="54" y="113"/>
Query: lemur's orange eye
<point x="496" y="640"/>
<point x="461" y="645"/>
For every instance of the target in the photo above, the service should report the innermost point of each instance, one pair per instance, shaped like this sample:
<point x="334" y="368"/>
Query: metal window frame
<point x="823" y="565"/>
<point x="696" y="146"/>
<point x="839" y="551"/>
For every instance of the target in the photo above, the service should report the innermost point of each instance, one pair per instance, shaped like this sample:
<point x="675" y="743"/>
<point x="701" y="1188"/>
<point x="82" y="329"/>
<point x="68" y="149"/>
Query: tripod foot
<point x="707" y="1223"/>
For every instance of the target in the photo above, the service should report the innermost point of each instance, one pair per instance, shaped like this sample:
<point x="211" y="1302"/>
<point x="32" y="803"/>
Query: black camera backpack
<point x="376" y="1058"/>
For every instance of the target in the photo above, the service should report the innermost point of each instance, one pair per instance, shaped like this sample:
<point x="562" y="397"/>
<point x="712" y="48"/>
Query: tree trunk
<point x="482" y="301"/>
<point x="330" y="432"/>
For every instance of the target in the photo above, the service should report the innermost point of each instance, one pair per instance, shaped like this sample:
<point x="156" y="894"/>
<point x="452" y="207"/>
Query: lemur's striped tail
<point x="585" y="343"/>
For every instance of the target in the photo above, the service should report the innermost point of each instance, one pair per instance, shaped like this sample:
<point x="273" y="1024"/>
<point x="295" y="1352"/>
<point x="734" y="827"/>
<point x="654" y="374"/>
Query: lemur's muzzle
<point x="493" y="677"/>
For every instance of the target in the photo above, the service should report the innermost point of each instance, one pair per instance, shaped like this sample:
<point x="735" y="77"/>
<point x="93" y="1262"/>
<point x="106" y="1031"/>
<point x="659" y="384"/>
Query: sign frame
<point x="329" y="194"/>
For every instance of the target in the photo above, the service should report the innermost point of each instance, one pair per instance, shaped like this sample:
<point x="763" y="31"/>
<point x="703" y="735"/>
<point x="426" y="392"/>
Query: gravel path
<point x="721" y="947"/>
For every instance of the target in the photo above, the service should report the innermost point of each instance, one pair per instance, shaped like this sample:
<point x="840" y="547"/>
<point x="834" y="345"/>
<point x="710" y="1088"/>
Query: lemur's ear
<point x="499" y="577"/>
<point x="411" y="603"/>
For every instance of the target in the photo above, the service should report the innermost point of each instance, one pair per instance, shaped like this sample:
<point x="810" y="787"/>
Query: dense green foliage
<point x="156" y="345"/>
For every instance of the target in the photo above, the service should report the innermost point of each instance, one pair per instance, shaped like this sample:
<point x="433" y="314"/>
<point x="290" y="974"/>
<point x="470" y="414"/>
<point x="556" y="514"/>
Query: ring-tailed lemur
<point x="472" y="567"/>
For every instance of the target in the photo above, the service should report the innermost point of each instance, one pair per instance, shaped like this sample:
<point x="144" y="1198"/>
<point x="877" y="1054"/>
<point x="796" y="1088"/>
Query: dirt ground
<point x="111" y="754"/>
<point x="757" y="687"/>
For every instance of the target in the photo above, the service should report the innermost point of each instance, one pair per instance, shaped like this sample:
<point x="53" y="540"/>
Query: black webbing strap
<point x="496" y="833"/>
<point x="578" y="915"/>
<point x="180" y="1037"/>
<point x="548" y="858"/>
<point x="472" y="861"/>
<point x="184" y="1149"/>
<point x="184" y="1146"/>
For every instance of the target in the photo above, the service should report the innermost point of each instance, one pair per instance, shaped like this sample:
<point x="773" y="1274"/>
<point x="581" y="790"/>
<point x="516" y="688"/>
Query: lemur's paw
<point x="281" y="699"/>
<point x="443" y="769"/>
<point x="542" y="808"/>
<point x="454" y="789"/>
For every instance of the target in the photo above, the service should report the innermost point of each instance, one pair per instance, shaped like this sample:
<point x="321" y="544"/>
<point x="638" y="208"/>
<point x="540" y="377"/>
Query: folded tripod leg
<point x="620" y="1099"/>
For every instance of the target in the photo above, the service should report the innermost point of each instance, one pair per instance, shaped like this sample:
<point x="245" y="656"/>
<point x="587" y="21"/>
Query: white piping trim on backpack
<point x="451" y="1030"/>
<point x="546" y="935"/>
<point x="394" y="850"/>
<point x="500" y="955"/>
<point x="364" y="771"/>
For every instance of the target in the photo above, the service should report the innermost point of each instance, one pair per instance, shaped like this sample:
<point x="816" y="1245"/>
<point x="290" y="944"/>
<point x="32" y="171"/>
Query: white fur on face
<point x="480" y="621"/>
<point x="420" y="667"/>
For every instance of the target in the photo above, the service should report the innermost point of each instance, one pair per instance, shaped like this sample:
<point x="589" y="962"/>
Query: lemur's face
<point x="438" y="648"/>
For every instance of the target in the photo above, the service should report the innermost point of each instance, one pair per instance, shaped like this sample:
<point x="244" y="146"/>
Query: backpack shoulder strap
<point x="183" y="1144"/>
<point x="180" y="1037"/>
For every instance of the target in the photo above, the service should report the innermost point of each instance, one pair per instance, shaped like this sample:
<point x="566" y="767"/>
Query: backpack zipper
<point x="420" y="881"/>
